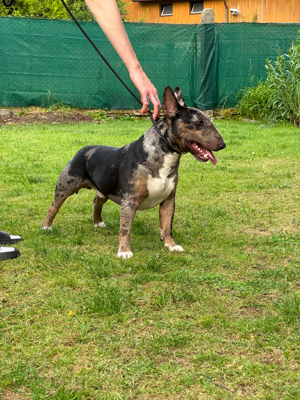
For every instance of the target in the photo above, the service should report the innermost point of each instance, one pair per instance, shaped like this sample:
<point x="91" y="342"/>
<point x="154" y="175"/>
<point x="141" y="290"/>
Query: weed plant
<point x="277" y="99"/>
<point x="100" y="115"/>
<point x="219" y="321"/>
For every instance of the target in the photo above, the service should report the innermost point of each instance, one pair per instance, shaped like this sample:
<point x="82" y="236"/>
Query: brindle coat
<point x="142" y="174"/>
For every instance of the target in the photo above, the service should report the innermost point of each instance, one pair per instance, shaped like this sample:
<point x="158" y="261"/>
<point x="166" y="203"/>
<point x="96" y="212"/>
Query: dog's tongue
<point x="202" y="153"/>
<point x="211" y="157"/>
<point x="207" y="154"/>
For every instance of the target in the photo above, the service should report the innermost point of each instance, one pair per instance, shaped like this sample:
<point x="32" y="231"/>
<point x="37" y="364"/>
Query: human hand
<point x="107" y="15"/>
<point x="147" y="91"/>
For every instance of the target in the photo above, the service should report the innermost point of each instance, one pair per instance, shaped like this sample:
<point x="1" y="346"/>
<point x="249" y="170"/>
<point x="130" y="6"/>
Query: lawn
<point x="219" y="321"/>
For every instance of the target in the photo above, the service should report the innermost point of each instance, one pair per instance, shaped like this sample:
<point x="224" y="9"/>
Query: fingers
<point x="145" y="101"/>
<point x="155" y="101"/>
<point x="157" y="106"/>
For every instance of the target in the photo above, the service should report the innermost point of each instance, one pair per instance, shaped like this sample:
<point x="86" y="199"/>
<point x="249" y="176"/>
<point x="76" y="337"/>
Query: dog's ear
<point x="170" y="104"/>
<point x="179" y="96"/>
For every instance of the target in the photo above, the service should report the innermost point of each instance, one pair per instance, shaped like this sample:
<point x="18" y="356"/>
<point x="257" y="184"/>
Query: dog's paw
<point x="125" y="254"/>
<point x="100" y="225"/>
<point x="46" y="228"/>
<point x="174" y="248"/>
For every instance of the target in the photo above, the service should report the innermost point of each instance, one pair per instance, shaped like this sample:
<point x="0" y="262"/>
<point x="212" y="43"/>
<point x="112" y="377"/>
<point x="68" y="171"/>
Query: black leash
<point x="117" y="76"/>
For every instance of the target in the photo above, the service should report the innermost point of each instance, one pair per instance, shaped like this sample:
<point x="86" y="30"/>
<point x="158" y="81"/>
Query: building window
<point x="166" y="10"/>
<point x="196" y="7"/>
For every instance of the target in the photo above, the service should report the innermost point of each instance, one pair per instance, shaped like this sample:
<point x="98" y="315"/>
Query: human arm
<point x="107" y="15"/>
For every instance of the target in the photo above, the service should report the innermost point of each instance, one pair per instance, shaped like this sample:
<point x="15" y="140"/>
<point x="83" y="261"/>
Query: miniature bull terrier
<point x="142" y="174"/>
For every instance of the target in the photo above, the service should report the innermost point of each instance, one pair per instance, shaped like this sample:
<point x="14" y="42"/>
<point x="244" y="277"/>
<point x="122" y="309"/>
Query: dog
<point x="142" y="174"/>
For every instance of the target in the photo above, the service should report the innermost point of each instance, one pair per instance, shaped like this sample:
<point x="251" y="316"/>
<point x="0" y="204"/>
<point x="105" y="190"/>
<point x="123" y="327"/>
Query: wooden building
<point x="189" y="12"/>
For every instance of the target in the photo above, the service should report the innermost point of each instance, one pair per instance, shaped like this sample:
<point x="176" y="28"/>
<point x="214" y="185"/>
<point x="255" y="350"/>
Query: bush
<point x="255" y="101"/>
<point x="277" y="99"/>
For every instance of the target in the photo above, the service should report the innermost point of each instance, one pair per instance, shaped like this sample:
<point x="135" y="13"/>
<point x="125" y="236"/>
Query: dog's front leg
<point x="166" y="214"/>
<point x="128" y="210"/>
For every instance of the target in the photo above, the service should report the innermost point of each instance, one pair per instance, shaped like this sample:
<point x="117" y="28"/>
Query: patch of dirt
<point x="285" y="227"/>
<point x="276" y="357"/>
<point x="31" y="115"/>
<point x="250" y="312"/>
<point x="37" y="115"/>
<point x="10" y="395"/>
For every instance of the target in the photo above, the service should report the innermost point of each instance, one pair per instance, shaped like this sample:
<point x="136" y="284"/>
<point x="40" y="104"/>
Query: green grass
<point x="219" y="321"/>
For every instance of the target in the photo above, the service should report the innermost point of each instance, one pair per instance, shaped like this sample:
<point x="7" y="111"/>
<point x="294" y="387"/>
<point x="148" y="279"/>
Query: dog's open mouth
<point x="201" y="153"/>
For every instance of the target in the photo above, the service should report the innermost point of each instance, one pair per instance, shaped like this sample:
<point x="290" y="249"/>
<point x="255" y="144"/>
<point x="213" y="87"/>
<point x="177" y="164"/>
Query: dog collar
<point x="172" y="148"/>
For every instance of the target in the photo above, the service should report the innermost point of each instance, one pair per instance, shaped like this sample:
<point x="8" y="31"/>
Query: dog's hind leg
<point x="166" y="214"/>
<point x="98" y="204"/>
<point x="66" y="186"/>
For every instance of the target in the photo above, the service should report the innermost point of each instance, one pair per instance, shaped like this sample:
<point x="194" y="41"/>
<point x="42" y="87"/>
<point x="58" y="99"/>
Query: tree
<point x="53" y="9"/>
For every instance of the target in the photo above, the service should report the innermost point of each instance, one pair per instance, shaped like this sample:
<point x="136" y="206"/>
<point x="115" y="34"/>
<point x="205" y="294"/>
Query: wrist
<point x="134" y="67"/>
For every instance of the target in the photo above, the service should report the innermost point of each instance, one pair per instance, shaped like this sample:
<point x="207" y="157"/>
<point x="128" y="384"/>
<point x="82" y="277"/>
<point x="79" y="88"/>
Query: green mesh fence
<point x="228" y="55"/>
<point x="243" y="50"/>
<point x="47" y="61"/>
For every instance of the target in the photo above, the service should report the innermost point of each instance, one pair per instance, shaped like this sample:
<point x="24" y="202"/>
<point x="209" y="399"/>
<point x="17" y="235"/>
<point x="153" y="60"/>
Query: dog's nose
<point x="222" y="146"/>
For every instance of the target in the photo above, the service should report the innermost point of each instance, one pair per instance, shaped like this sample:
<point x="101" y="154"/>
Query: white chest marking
<point x="159" y="188"/>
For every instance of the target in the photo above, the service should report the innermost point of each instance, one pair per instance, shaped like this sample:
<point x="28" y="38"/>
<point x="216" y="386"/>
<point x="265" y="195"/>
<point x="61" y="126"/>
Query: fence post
<point x="208" y="16"/>
<point x="206" y="67"/>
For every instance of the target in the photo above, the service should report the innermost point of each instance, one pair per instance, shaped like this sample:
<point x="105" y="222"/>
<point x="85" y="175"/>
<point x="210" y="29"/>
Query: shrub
<point x="255" y="101"/>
